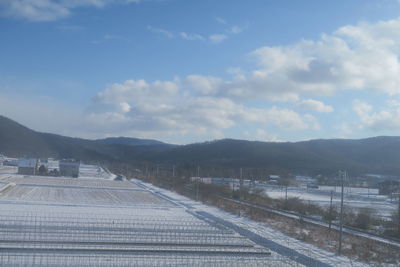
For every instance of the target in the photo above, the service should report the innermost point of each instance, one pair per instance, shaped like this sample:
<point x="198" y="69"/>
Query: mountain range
<point x="370" y="155"/>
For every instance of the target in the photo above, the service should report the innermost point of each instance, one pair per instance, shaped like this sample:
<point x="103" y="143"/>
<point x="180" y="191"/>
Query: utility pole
<point x="240" y="189"/>
<point x="343" y="176"/>
<point x="390" y="191"/>
<point x="398" y="215"/>
<point x="173" y="171"/>
<point x="233" y="189"/>
<point x="240" y="183"/>
<point x="286" y="186"/>
<point x="197" y="189"/>
<point x="197" y="183"/>
<point x="330" y="211"/>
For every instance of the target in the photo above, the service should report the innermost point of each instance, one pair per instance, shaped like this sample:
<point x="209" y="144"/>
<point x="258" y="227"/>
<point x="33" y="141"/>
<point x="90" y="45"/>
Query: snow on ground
<point x="64" y="181"/>
<point x="93" y="221"/>
<point x="83" y="196"/>
<point x="353" y="197"/>
<point x="265" y="231"/>
<point x="53" y="221"/>
<point x="4" y="170"/>
<point x="92" y="171"/>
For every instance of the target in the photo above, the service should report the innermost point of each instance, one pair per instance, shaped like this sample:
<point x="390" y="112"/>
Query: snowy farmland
<point x="92" y="221"/>
<point x="353" y="197"/>
<point x="60" y="181"/>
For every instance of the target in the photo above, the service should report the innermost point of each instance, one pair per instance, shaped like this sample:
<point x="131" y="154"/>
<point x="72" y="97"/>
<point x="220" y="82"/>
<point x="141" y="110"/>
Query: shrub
<point x="364" y="219"/>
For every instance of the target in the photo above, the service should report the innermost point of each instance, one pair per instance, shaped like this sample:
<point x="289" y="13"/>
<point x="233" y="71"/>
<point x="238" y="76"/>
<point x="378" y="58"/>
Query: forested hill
<point x="18" y="140"/>
<point x="371" y="155"/>
<point x="131" y="141"/>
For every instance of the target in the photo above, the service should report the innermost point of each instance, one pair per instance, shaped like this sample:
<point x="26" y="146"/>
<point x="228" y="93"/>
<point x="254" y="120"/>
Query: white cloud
<point x="265" y="136"/>
<point x="41" y="10"/>
<point x="191" y="36"/>
<point x="163" y="32"/>
<point x="244" y="87"/>
<point x="315" y="105"/>
<point x="221" y="20"/>
<point x="124" y="107"/>
<point x="261" y="135"/>
<point x="213" y="38"/>
<point x="174" y="109"/>
<point x="48" y="10"/>
<point x="109" y="37"/>
<point x="217" y="38"/>
<point x="140" y="91"/>
<point x="166" y="107"/>
<point x="378" y="121"/>
<point x="236" y="29"/>
<point x="362" y="57"/>
<point x="206" y="85"/>
<point x="345" y="129"/>
<point x="361" y="108"/>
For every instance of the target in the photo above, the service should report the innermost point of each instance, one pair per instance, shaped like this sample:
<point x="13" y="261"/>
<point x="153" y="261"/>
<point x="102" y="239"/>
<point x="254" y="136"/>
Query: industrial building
<point x="69" y="167"/>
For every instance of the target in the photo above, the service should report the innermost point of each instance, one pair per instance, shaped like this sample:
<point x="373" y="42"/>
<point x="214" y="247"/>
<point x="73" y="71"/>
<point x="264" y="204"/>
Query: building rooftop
<point x="27" y="162"/>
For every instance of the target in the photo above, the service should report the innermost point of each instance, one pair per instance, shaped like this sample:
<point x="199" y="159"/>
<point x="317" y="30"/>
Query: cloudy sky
<point x="185" y="71"/>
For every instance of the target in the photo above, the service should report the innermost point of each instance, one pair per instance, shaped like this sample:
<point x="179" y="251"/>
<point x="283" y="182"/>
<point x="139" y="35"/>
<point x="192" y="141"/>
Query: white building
<point x="305" y="179"/>
<point x="204" y="180"/>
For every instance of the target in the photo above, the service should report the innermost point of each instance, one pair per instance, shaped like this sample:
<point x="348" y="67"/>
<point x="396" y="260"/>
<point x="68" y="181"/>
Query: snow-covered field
<point x="92" y="221"/>
<point x="4" y="170"/>
<point x="353" y="197"/>
<point x="90" y="171"/>
<point x="53" y="221"/>
<point x="83" y="196"/>
<point x="61" y="181"/>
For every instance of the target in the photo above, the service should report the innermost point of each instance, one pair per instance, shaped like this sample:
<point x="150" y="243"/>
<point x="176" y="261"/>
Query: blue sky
<point x="186" y="71"/>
